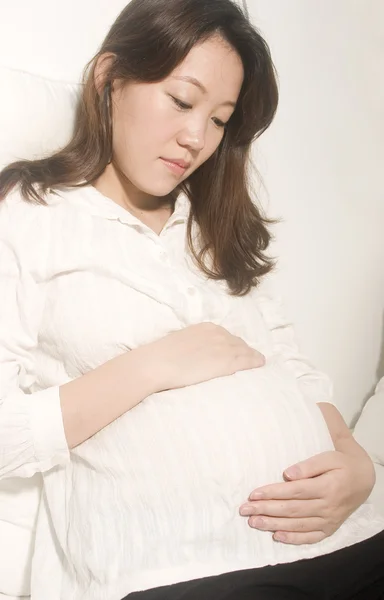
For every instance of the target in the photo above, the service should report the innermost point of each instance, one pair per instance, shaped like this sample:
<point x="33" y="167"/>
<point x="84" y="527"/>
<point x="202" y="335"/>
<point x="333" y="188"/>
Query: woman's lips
<point x="178" y="167"/>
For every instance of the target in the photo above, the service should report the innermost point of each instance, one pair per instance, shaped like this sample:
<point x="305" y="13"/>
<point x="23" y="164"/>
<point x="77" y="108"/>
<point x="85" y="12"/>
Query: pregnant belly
<point x="178" y="466"/>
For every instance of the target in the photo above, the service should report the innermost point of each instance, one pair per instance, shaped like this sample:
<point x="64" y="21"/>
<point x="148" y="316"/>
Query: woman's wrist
<point x="345" y="443"/>
<point x="147" y="364"/>
<point x="92" y="401"/>
<point x="160" y="369"/>
<point x="365" y="470"/>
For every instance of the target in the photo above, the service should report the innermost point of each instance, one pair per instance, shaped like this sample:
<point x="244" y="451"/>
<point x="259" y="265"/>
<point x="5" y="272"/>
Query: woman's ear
<point x="102" y="69"/>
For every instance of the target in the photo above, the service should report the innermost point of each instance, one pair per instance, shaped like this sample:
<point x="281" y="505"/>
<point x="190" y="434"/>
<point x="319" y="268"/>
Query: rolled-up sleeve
<point x="315" y="385"/>
<point x="32" y="437"/>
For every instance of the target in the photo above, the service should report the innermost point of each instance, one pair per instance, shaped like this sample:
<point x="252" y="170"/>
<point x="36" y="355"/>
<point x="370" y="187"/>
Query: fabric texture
<point x="153" y="498"/>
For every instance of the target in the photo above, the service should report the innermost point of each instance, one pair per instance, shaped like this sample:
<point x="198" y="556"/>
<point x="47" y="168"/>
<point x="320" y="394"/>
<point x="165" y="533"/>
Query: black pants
<point x="354" y="573"/>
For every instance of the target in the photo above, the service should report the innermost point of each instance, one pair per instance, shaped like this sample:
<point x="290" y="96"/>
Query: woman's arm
<point x="315" y="385"/>
<point x="342" y="437"/>
<point x="38" y="429"/>
<point x="320" y="493"/>
<point x="93" y="401"/>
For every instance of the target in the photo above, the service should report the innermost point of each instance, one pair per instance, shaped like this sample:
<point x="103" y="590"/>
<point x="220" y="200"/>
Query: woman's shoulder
<point x="15" y="209"/>
<point x="21" y="218"/>
<point x="31" y="232"/>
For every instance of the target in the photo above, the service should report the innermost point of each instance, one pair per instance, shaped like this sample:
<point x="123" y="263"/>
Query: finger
<point x="315" y="466"/>
<point x="305" y="489"/>
<point x="250" y="359"/>
<point x="283" y="508"/>
<point x="258" y="358"/>
<point x="310" y="525"/>
<point x="297" y="539"/>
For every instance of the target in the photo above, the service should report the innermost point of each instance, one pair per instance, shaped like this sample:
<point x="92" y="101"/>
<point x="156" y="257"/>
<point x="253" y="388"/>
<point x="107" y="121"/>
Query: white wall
<point x="321" y="160"/>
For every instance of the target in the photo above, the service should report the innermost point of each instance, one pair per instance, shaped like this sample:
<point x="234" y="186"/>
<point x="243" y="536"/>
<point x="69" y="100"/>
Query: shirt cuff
<point x="46" y="420"/>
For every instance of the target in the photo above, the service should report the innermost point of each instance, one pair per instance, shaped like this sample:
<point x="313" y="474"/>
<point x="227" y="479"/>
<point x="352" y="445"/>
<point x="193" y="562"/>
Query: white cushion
<point x="369" y="428"/>
<point x="377" y="496"/>
<point x="36" y="116"/>
<point x="369" y="433"/>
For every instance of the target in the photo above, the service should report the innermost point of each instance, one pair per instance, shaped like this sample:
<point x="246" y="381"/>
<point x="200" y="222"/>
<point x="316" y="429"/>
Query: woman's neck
<point x="151" y="210"/>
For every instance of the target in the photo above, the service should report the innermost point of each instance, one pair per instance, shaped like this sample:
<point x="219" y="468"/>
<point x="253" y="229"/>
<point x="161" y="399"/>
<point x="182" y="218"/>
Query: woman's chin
<point x="159" y="191"/>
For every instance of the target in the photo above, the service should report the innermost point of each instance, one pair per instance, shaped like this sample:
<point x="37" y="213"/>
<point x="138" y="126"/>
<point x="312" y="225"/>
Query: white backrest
<point x="322" y="160"/>
<point x="36" y="115"/>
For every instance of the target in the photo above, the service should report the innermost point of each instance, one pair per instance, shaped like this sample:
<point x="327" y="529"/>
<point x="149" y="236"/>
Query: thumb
<point x="313" y="467"/>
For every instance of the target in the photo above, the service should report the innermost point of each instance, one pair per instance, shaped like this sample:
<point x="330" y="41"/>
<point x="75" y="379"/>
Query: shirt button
<point x="191" y="291"/>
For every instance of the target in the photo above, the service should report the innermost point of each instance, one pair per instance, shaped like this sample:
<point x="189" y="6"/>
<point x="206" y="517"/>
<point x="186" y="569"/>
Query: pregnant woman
<point x="146" y="381"/>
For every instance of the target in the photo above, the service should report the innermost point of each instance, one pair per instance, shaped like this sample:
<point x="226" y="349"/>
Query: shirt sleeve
<point x="315" y="386"/>
<point x="32" y="437"/>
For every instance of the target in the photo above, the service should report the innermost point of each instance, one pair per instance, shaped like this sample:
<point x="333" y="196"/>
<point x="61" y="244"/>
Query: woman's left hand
<point x="315" y="499"/>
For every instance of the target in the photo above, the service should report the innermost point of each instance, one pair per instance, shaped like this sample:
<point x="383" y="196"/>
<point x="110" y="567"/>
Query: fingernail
<point x="257" y="496"/>
<point x="280" y="537"/>
<point x="258" y="523"/>
<point x="292" y="473"/>
<point x="245" y="510"/>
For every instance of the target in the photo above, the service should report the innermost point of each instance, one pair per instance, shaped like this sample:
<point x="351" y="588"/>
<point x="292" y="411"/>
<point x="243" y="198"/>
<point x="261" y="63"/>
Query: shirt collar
<point x="99" y="205"/>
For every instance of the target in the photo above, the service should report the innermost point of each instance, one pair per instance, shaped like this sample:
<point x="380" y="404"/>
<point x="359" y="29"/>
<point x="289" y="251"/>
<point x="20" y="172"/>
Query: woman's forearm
<point x="337" y="426"/>
<point x="184" y="357"/>
<point x="342" y="437"/>
<point x="96" y="399"/>
<point x="345" y="443"/>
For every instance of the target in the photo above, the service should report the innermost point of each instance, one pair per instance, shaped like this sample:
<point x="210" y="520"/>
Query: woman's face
<point x="164" y="131"/>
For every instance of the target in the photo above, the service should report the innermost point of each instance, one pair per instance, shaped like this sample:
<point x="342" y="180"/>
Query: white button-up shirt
<point x="153" y="498"/>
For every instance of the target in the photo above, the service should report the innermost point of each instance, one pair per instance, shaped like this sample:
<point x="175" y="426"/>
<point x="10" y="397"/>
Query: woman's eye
<point x="219" y="123"/>
<point x="185" y="106"/>
<point x="180" y="104"/>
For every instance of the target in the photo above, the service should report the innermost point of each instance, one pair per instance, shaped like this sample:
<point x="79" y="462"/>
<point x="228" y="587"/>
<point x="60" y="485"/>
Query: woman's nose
<point x="194" y="139"/>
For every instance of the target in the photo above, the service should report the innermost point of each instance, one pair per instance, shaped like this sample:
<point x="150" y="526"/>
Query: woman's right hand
<point x="199" y="353"/>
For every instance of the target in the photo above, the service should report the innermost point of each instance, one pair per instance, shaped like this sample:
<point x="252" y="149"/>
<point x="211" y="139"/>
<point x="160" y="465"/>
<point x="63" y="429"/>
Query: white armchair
<point x="369" y="432"/>
<point x="324" y="174"/>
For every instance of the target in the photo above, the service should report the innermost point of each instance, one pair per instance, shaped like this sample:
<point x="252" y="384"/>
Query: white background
<point x="322" y="160"/>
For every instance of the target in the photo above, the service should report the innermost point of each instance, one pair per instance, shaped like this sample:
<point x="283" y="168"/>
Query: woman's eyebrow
<point x="198" y="84"/>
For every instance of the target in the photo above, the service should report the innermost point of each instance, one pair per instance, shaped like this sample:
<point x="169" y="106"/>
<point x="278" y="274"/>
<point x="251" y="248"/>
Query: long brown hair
<point x="149" y="39"/>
